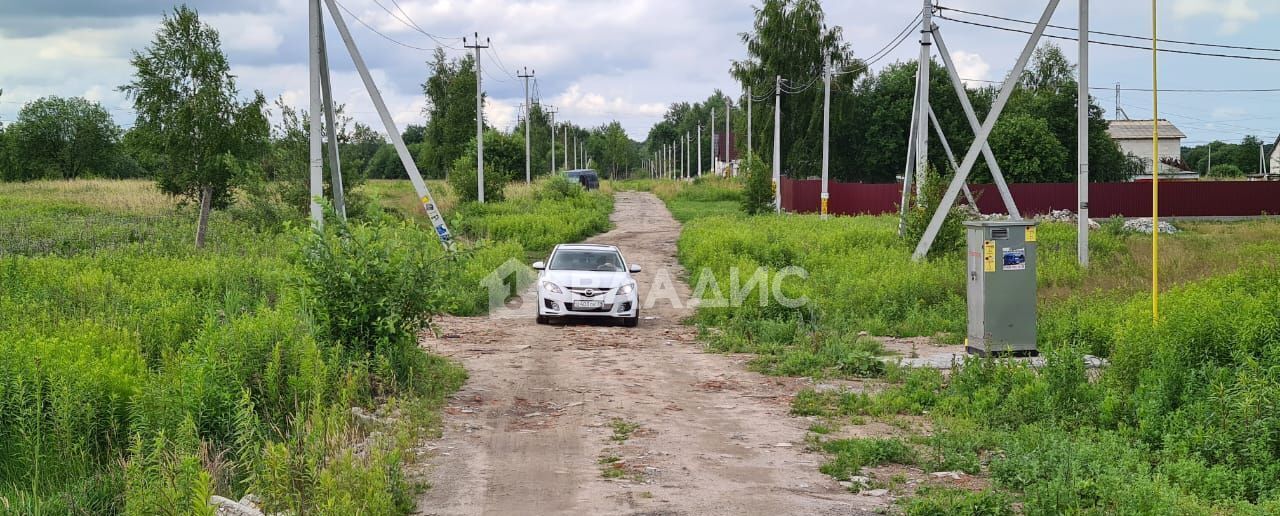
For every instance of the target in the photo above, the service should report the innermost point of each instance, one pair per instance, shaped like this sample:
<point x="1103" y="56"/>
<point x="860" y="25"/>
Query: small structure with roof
<point x="1134" y="137"/>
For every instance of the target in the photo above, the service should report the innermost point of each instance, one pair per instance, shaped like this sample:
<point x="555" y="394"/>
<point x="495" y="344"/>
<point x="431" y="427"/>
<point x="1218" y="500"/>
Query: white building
<point x="1134" y="137"/>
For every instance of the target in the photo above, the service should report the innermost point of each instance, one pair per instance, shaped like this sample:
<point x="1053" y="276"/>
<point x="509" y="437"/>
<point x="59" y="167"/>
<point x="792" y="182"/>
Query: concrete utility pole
<point x="749" y="102"/>
<point x="980" y="136"/>
<point x="826" y="130"/>
<point x="479" y="116"/>
<point x="335" y="164"/>
<point x="528" y="120"/>
<point x="699" y="150"/>
<point x="575" y="151"/>
<point x="552" y="125"/>
<point x="922" y="103"/>
<point x="316" y="149"/>
<point x="688" y="172"/>
<point x="777" y="144"/>
<point x="1082" y="140"/>
<point x="389" y="124"/>
<point x="713" y="141"/>
<point x="728" y="159"/>
<point x="909" y="162"/>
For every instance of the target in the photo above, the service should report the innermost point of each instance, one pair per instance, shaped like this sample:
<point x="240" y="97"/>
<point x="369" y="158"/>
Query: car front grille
<point x="589" y="291"/>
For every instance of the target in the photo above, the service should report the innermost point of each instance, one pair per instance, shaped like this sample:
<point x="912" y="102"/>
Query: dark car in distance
<point x="585" y="177"/>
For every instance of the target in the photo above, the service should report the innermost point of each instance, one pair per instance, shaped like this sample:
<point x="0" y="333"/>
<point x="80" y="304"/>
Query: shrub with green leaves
<point x="758" y="195"/>
<point x="462" y="178"/>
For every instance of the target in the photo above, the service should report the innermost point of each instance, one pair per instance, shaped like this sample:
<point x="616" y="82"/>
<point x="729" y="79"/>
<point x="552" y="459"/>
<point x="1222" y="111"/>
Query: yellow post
<point x="1155" y="177"/>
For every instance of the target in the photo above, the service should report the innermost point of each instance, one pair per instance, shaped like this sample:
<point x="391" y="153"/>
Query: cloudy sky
<point x="597" y="60"/>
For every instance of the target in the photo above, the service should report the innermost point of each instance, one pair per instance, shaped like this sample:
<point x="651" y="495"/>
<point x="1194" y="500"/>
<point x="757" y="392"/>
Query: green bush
<point x="462" y="178"/>
<point x="758" y="196"/>
<point x="950" y="237"/>
<point x="558" y="187"/>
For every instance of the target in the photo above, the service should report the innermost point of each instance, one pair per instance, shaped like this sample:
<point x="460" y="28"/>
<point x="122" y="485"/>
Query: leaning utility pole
<point x="826" y="129"/>
<point x="777" y="144"/>
<point x="1082" y="140"/>
<point x="393" y="133"/>
<point x="335" y="164"/>
<point x="528" y="120"/>
<point x="922" y="103"/>
<point x="479" y="117"/>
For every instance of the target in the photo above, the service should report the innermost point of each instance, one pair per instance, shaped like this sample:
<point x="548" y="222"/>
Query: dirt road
<point x="547" y="408"/>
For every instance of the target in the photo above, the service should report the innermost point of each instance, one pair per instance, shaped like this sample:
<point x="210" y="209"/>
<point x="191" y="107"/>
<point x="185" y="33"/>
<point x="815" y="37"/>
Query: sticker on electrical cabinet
<point x="1031" y="234"/>
<point x="1014" y="259"/>
<point x="989" y="256"/>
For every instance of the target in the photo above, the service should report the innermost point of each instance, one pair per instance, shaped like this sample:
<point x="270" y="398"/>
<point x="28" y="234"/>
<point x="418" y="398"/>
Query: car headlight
<point x="551" y="287"/>
<point x="627" y="289"/>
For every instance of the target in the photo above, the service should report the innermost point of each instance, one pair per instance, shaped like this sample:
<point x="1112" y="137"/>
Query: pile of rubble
<point x="1143" y="225"/>
<point x="1064" y="216"/>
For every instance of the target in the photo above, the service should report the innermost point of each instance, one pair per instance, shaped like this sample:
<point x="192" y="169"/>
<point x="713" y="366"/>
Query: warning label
<point x="989" y="256"/>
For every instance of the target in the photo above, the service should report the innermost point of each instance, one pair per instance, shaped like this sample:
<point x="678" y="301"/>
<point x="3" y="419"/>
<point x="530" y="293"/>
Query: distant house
<point x="1273" y="161"/>
<point x="1134" y="137"/>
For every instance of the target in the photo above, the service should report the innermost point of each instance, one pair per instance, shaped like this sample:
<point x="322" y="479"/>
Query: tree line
<point x="1034" y="139"/>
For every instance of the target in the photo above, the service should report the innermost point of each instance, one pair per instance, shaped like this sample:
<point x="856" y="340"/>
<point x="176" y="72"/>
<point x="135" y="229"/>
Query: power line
<point x="1162" y="90"/>
<point x="1115" y="34"/>
<point x="375" y="31"/>
<point x="408" y="22"/>
<point x="892" y="44"/>
<point x="1113" y="44"/>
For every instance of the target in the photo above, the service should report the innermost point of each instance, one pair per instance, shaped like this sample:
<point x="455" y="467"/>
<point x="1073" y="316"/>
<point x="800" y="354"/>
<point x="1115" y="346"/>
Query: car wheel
<point x="632" y="322"/>
<point x="542" y="319"/>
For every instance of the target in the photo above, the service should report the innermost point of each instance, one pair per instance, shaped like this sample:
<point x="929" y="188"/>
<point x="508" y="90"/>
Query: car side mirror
<point x="539" y="266"/>
<point x="635" y="268"/>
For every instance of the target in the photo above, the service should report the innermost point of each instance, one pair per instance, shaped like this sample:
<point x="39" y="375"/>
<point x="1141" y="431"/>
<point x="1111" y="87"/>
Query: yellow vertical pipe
<point x="1155" y="177"/>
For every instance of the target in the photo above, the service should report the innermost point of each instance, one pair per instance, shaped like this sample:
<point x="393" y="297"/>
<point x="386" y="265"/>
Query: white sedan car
<point x="587" y="280"/>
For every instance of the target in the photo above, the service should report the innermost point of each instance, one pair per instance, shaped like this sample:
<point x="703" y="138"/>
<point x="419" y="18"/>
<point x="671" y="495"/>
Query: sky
<point x="626" y="60"/>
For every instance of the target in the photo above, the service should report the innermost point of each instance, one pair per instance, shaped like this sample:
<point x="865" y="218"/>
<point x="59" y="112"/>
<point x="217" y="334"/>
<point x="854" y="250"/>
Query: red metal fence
<point x="1177" y="198"/>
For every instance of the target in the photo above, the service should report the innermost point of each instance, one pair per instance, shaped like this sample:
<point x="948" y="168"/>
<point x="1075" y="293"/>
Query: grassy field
<point x="1184" y="418"/>
<point x="140" y="376"/>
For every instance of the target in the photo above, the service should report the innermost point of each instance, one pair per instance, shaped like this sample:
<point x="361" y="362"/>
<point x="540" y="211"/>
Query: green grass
<point x="1184" y="416"/>
<point x="622" y="430"/>
<point x="849" y="456"/>
<point x="141" y="375"/>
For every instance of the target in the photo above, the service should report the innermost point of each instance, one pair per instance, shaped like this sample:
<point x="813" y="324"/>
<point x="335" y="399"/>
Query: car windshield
<point x="586" y="260"/>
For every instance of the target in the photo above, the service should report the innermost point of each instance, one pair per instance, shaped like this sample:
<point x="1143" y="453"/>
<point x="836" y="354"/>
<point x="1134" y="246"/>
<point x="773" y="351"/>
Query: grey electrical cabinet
<point x="1001" y="287"/>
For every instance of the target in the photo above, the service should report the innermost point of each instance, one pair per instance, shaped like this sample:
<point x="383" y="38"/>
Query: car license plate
<point x="587" y="305"/>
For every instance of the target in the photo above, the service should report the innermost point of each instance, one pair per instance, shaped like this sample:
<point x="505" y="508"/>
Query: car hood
<point x="587" y="279"/>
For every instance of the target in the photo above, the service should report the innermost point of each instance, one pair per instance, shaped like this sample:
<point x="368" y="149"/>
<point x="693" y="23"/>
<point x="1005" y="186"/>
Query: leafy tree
<point x="790" y="39"/>
<point x="289" y="160"/>
<point x="503" y="153"/>
<point x="1028" y="151"/>
<point x="450" y="110"/>
<point x="186" y="101"/>
<point x="414" y="133"/>
<point x="617" y="152"/>
<point x="63" y="138"/>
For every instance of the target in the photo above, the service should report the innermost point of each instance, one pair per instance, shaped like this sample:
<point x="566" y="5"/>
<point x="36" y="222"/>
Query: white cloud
<point x="1233" y="13"/>
<point x="500" y="113"/>
<point x="971" y="67"/>
<point x="576" y="102"/>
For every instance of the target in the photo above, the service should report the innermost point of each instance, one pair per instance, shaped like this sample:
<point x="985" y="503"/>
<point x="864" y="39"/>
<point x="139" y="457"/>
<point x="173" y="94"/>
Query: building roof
<point x="1141" y="129"/>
